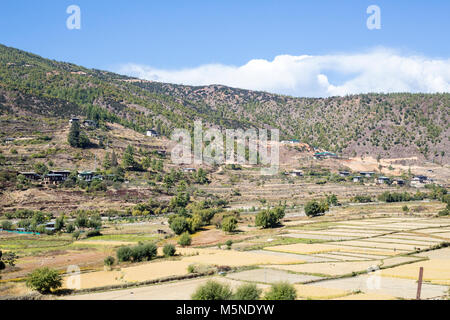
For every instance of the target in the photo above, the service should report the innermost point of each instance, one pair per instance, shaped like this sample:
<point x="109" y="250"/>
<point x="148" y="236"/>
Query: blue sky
<point x="168" y="36"/>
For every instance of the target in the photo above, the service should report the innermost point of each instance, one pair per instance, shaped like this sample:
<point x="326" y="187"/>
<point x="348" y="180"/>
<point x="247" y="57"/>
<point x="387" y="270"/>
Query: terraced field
<point x="375" y="258"/>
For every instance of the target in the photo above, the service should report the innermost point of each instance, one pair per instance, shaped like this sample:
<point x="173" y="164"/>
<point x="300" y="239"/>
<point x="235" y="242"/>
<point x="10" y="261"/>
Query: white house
<point x="152" y="133"/>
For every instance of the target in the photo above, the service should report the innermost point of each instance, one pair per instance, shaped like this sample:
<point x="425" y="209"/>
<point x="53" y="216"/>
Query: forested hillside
<point x="392" y="125"/>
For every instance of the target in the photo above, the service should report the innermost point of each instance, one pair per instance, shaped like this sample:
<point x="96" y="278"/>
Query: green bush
<point x="281" y="291"/>
<point x="109" y="261"/>
<point x="313" y="209"/>
<point x="7" y="225"/>
<point x="185" y="239"/>
<point x="124" y="254"/>
<point x="179" y="225"/>
<point x="270" y="218"/>
<point x="213" y="290"/>
<point x="142" y="252"/>
<point x="44" y="280"/>
<point x="229" y="224"/>
<point x="247" y="291"/>
<point x="169" y="250"/>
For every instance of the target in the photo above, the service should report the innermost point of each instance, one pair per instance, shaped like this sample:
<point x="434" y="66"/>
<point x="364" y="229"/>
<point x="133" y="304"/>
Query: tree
<point x="169" y="250"/>
<point x="124" y="254"/>
<point x="247" y="291"/>
<point x="8" y="258"/>
<point x="44" y="280"/>
<point x="313" y="209"/>
<point x="76" y="138"/>
<point x="281" y="291"/>
<point x="114" y="162"/>
<point x="59" y="223"/>
<point x="229" y="224"/>
<point x="128" y="161"/>
<point x="74" y="134"/>
<point x="179" y="225"/>
<point x="107" y="161"/>
<point x="109" y="261"/>
<point x="185" y="239"/>
<point x="270" y="218"/>
<point x="212" y="290"/>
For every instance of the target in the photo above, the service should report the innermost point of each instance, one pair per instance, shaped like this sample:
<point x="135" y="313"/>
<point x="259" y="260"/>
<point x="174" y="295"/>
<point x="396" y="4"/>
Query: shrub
<point x="44" y="280"/>
<point x="93" y="233"/>
<point x="229" y="224"/>
<point x="179" y="225"/>
<point x="212" y="290"/>
<point x="7" y="225"/>
<point x="281" y="291"/>
<point x="124" y="254"/>
<point x="270" y="218"/>
<point x="70" y="228"/>
<point x="169" y="250"/>
<point x="247" y="291"/>
<point x="229" y="243"/>
<point x="313" y="209"/>
<point x="185" y="239"/>
<point x="76" y="235"/>
<point x="109" y="261"/>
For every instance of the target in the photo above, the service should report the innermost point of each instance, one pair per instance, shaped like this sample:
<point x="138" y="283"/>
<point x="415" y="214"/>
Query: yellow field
<point x="142" y="272"/>
<point x="366" y="296"/>
<point x="436" y="271"/>
<point x="303" y="248"/>
<point x="235" y="258"/>
<point x="329" y="268"/>
<point x="314" y="292"/>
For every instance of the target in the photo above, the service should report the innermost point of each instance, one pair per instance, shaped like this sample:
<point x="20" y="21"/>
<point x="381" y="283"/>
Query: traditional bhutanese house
<point x="86" y="175"/>
<point x="344" y="173"/>
<point x="399" y="182"/>
<point x="296" y="173"/>
<point x="383" y="180"/>
<point x="367" y="174"/>
<point x="31" y="175"/>
<point x="420" y="181"/>
<point x="152" y="133"/>
<point x="74" y="120"/>
<point x="52" y="178"/>
<point x="189" y="170"/>
<point x="357" y="179"/>
<point x="90" y="124"/>
<point x="64" y="173"/>
<point x="324" y="155"/>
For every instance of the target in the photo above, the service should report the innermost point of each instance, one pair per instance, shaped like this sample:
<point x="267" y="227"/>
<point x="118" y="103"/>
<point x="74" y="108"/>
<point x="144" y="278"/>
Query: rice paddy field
<point x="364" y="259"/>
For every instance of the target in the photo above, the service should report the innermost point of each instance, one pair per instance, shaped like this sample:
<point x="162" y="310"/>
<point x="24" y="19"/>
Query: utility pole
<point x="419" y="284"/>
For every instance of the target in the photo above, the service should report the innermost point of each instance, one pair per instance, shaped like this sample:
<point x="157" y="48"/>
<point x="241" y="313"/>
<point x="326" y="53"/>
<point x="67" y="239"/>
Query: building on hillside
<point x="90" y="124"/>
<point x="325" y="155"/>
<point x="71" y="121"/>
<point x="52" y="178"/>
<point x="399" y="182"/>
<point x="152" y="133"/>
<point x="296" y="173"/>
<point x="344" y="173"/>
<point x="292" y="141"/>
<point x="383" y="180"/>
<point x="31" y="175"/>
<point x="367" y="174"/>
<point x="357" y="179"/>
<point x="86" y="176"/>
<point x="64" y="173"/>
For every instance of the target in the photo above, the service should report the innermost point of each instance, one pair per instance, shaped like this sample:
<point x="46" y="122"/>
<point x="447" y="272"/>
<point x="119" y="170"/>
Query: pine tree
<point x="128" y="158"/>
<point x="74" y="135"/>
<point x="107" y="161"/>
<point x="114" y="162"/>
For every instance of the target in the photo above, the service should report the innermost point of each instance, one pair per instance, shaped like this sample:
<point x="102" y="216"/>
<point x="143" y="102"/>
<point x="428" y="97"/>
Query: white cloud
<point x="380" y="70"/>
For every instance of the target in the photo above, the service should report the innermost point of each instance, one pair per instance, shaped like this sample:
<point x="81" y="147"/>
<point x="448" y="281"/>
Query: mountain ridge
<point x="382" y="125"/>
